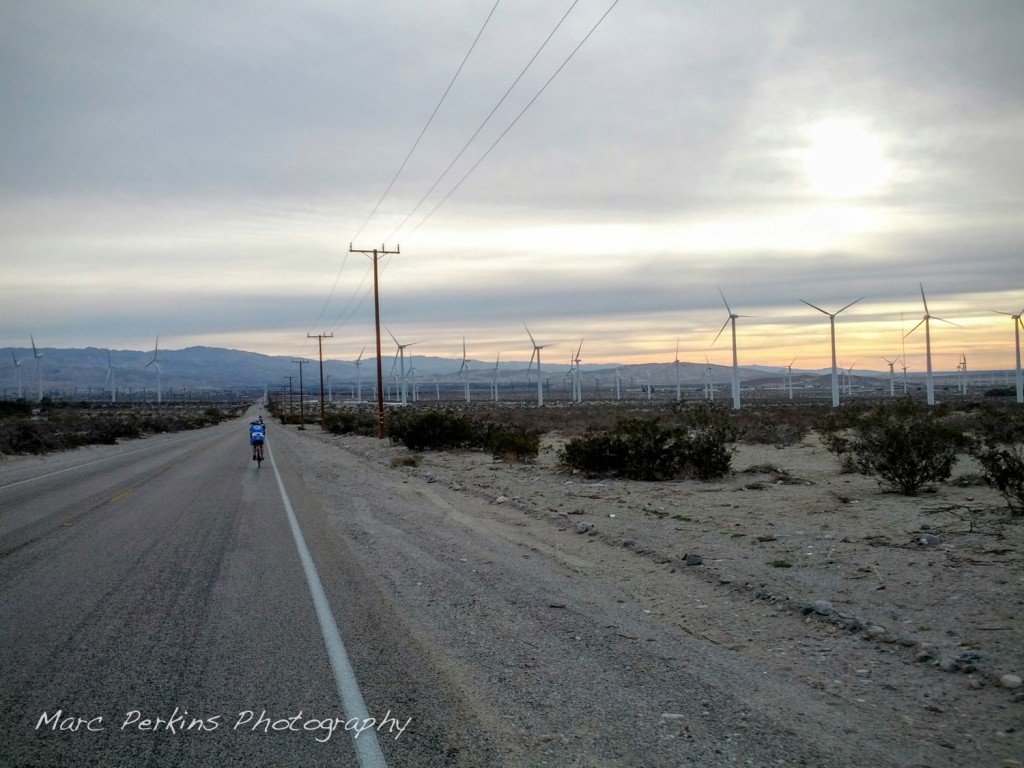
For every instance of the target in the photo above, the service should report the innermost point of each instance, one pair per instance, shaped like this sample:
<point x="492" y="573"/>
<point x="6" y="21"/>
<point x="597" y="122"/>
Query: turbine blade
<point x="923" y="299"/>
<point x="720" y="331"/>
<point x="849" y="305"/>
<point x="919" y="324"/>
<point x="947" y="322"/>
<point x="723" y="300"/>
<point x="812" y="306"/>
<point x="530" y="335"/>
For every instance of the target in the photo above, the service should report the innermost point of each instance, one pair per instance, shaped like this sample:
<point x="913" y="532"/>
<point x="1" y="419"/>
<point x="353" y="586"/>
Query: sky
<point x="598" y="171"/>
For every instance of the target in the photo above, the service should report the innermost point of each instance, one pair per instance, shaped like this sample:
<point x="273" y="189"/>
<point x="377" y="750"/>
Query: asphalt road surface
<point x="155" y="611"/>
<point x="166" y="603"/>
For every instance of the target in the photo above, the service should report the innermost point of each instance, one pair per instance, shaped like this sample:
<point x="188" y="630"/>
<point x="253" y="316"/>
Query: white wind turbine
<point x="679" y="387"/>
<point x="577" y="380"/>
<point x="647" y="373"/>
<point x="1017" y="325"/>
<point x="536" y="354"/>
<point x="359" y="376"/>
<point x="788" y="377"/>
<point x="495" y="376"/>
<point x="464" y="368"/>
<point x="926" y="321"/>
<point x="709" y="386"/>
<point x="110" y="379"/>
<point x="618" y="385"/>
<point x="832" y="330"/>
<point x="39" y="366"/>
<point x="849" y="379"/>
<point x="400" y="354"/>
<point x="892" y="376"/>
<point x="962" y="370"/>
<point x="154" y="361"/>
<point x="735" y="360"/>
<point x="17" y="372"/>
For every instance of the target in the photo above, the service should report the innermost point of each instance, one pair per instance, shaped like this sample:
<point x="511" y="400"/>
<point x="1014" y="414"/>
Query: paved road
<point x="155" y="611"/>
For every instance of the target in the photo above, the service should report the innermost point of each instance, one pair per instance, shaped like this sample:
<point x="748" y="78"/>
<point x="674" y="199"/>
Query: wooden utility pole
<point x="320" y="342"/>
<point x="375" y="254"/>
<point x="302" y="400"/>
<point x="291" y="397"/>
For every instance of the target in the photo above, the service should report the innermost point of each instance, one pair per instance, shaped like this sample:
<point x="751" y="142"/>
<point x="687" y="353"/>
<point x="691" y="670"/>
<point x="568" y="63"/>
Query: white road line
<point x="366" y="745"/>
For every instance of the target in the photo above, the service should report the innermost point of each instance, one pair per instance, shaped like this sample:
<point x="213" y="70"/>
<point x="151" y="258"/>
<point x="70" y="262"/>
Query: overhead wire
<point x="514" y="121"/>
<point x="359" y="290"/>
<point x="484" y="123"/>
<point x="398" y="173"/>
<point x="429" y="121"/>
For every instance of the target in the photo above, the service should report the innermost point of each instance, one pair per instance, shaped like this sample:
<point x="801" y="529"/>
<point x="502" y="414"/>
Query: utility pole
<point x="375" y="254"/>
<point x="302" y="400"/>
<point x="291" y="399"/>
<point x="320" y="342"/>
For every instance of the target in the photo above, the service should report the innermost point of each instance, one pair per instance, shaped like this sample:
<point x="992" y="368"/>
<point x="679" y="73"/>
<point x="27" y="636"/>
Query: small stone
<point x="1010" y="681"/>
<point x="822" y="607"/>
<point x="693" y="560"/>
<point x="876" y="631"/>
<point x="975" y="684"/>
<point x="924" y="656"/>
<point x="949" y="665"/>
<point x="629" y="543"/>
<point x="501" y="500"/>
<point x="583" y="527"/>
<point x="930" y="540"/>
<point x="726" y="579"/>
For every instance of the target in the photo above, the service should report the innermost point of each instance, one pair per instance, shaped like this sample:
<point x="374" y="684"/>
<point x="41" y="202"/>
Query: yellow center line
<point x="122" y="494"/>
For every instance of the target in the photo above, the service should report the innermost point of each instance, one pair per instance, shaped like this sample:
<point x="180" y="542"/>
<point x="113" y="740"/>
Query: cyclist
<point x="257" y="435"/>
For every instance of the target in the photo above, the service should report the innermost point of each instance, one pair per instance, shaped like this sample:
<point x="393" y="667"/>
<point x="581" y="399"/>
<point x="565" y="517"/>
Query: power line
<point x="429" y="121"/>
<point x="486" y="120"/>
<point x="516" y="120"/>
<point x="401" y="168"/>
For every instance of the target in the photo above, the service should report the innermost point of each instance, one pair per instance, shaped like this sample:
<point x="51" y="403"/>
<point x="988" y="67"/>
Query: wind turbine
<point x="709" y="385"/>
<point x="39" y="366"/>
<point x="400" y="354"/>
<point x="154" y="361"/>
<point x="962" y="370"/>
<point x="17" y="371"/>
<point x="926" y="321"/>
<point x="647" y="373"/>
<point x="494" y="377"/>
<point x="788" y="379"/>
<point x="464" y="368"/>
<point x="679" y="389"/>
<point x="892" y="376"/>
<point x="577" y="381"/>
<point x="832" y="330"/>
<point x="849" y="379"/>
<point x="618" y="385"/>
<point x="735" y="360"/>
<point x="536" y="353"/>
<point x="110" y="379"/>
<point x="1017" y="325"/>
<point x="359" y="376"/>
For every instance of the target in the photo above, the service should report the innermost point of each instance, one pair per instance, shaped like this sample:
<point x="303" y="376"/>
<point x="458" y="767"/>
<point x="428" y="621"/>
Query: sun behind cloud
<point x="845" y="160"/>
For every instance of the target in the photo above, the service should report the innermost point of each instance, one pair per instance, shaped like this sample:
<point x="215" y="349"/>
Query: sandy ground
<point x="905" y="613"/>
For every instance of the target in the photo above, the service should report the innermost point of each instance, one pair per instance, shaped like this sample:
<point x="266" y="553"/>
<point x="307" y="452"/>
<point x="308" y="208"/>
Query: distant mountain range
<point x="71" y="371"/>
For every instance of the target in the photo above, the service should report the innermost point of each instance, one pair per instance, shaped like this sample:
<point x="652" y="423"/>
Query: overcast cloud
<point x="197" y="170"/>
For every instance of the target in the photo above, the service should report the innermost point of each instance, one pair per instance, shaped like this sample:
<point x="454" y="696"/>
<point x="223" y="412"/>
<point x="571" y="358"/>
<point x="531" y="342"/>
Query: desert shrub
<point x="906" y="446"/>
<point x="351" y="422"/>
<point x="512" y="443"/>
<point x="1004" y="469"/>
<point x="641" y="449"/>
<point x="764" y="428"/>
<point x="437" y="430"/>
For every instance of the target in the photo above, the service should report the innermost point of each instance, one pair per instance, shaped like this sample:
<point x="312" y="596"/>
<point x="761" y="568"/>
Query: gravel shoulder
<point x="788" y="614"/>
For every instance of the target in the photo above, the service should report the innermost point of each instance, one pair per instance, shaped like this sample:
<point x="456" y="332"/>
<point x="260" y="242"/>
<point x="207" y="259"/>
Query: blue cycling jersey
<point x="257" y="433"/>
